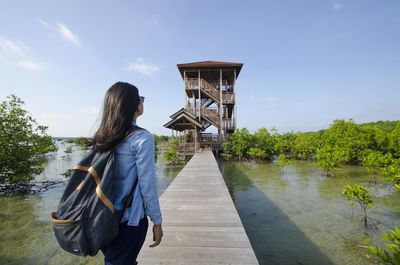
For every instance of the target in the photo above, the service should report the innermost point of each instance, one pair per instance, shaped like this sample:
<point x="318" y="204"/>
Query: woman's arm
<point x="146" y="175"/>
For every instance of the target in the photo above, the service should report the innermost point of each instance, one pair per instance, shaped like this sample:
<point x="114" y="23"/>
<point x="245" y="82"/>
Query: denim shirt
<point x="134" y="158"/>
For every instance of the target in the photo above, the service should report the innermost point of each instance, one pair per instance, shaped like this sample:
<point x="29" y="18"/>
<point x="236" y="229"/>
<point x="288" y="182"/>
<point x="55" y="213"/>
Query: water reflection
<point x="274" y="237"/>
<point x="299" y="217"/>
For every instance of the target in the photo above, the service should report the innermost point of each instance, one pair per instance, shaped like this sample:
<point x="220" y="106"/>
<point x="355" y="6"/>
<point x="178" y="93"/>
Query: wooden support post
<point x="199" y="95"/>
<point x="234" y="96"/>
<point x="220" y="104"/>
<point x="195" y="138"/>
<point x="194" y="104"/>
<point x="185" y="103"/>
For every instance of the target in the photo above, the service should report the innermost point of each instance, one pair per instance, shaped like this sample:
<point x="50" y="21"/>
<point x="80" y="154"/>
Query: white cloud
<point x="44" y="23"/>
<point x="141" y="67"/>
<point x="30" y="65"/>
<point x="17" y="53"/>
<point x="336" y="5"/>
<point x="68" y="35"/>
<point x="16" y="48"/>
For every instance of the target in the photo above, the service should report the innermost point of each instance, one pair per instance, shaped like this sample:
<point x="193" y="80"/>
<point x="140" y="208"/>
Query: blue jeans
<point x="124" y="249"/>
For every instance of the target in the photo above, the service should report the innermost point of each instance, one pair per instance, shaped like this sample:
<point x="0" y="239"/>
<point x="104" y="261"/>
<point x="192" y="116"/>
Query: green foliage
<point x="390" y="253"/>
<point x="68" y="149"/>
<point x="394" y="141"/>
<point x="347" y="142"/>
<point x="244" y="145"/>
<point x="156" y="149"/>
<point x="81" y="141"/>
<point x="375" y="160"/>
<point x="46" y="144"/>
<point x="67" y="173"/>
<point x="392" y="173"/>
<point x="379" y="139"/>
<point x="265" y="143"/>
<point x="383" y="165"/>
<point x="374" y="145"/>
<point x="23" y="143"/>
<point x="357" y="193"/>
<point x="238" y="144"/>
<point x="283" y="161"/>
<point x="385" y="126"/>
<point x="227" y="156"/>
<point x="305" y="145"/>
<point x="330" y="158"/>
<point x="360" y="194"/>
<point x="171" y="149"/>
<point x="160" y="138"/>
<point x="285" y="142"/>
<point x="256" y="153"/>
<point x="347" y="139"/>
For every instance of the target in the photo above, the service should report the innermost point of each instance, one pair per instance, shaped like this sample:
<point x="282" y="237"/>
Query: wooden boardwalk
<point x="201" y="224"/>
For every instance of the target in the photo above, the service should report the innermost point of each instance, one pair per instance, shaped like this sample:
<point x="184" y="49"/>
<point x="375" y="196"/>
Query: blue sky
<point x="306" y="62"/>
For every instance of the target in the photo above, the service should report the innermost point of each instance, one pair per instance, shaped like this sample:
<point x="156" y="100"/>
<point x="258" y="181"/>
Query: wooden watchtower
<point x="210" y="98"/>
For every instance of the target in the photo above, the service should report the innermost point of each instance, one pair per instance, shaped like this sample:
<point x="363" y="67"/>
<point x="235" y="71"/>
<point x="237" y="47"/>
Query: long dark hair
<point x="120" y="103"/>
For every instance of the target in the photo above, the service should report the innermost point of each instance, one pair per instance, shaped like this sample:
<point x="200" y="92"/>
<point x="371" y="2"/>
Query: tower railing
<point x="211" y="114"/>
<point x="228" y="97"/>
<point x="228" y="124"/>
<point x="210" y="89"/>
<point x="192" y="83"/>
<point x="206" y="87"/>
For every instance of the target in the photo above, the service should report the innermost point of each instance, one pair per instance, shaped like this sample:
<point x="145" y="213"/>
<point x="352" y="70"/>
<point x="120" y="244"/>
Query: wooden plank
<point x="201" y="224"/>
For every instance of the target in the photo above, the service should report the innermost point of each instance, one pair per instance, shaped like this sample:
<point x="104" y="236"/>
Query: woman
<point x="134" y="159"/>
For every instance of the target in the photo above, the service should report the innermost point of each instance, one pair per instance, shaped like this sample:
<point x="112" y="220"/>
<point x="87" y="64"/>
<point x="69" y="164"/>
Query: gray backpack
<point x="86" y="220"/>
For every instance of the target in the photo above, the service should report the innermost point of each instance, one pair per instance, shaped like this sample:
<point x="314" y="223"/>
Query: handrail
<point x="193" y="83"/>
<point x="228" y="124"/>
<point x="185" y="147"/>
<point x="211" y="114"/>
<point x="189" y="108"/>
<point x="207" y="87"/>
<point x="228" y="97"/>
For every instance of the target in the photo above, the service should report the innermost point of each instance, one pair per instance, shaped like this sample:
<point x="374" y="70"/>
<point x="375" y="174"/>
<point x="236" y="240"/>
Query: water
<point x="300" y="218"/>
<point x="25" y="229"/>
<point x="296" y="218"/>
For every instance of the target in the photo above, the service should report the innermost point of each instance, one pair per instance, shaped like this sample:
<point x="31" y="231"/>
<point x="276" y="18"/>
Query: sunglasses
<point x="141" y="99"/>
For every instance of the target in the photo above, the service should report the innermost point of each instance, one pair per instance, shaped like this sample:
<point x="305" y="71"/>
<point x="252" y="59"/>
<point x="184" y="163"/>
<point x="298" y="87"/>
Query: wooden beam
<point x="195" y="138"/>
<point x="199" y="96"/>
<point x="234" y="96"/>
<point x="220" y="102"/>
<point x="185" y="103"/>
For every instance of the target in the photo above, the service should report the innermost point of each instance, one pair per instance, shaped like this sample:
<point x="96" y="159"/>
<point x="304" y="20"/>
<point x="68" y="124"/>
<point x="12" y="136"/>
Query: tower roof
<point x="209" y="65"/>
<point x="183" y="120"/>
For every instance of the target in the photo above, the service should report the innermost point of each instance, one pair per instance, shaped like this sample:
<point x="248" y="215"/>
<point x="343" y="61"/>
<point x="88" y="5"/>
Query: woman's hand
<point x="157" y="235"/>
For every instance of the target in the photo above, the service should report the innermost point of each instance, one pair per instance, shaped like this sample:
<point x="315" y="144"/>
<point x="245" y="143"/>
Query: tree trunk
<point x="365" y="217"/>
